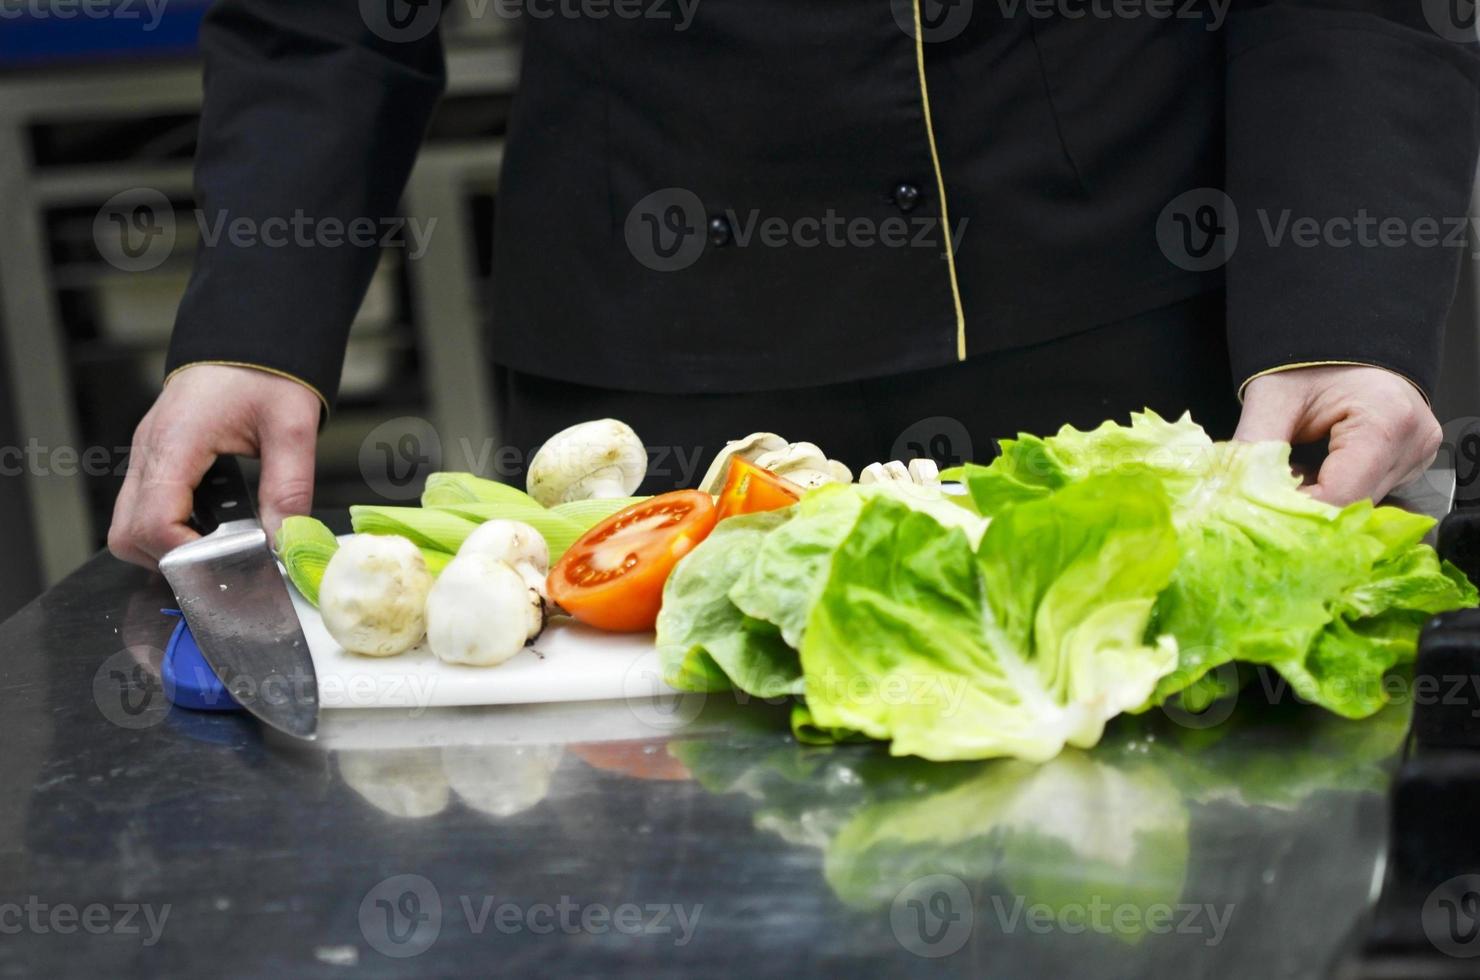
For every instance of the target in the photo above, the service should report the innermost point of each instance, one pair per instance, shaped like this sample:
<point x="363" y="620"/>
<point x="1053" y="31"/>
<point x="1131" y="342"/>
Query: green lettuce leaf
<point x="1028" y="642"/>
<point x="1331" y="598"/>
<point x="705" y="642"/>
<point x="792" y="564"/>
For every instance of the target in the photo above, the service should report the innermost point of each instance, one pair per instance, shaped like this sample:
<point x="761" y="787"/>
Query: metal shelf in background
<point x="40" y="377"/>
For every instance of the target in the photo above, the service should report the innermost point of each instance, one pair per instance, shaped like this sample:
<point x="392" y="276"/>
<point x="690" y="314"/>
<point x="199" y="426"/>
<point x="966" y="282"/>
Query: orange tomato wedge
<point x="749" y="489"/>
<point x="612" y="577"/>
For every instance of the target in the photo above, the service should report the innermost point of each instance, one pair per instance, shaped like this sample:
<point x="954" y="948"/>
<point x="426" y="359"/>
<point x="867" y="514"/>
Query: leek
<point x="426" y="527"/>
<point x="305" y="546"/>
<point x="465" y="488"/>
<point x="589" y="513"/>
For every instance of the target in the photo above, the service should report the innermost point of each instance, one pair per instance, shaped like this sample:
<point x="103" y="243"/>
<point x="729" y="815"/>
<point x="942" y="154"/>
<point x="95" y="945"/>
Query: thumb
<point x="1266" y="419"/>
<point x="286" y="484"/>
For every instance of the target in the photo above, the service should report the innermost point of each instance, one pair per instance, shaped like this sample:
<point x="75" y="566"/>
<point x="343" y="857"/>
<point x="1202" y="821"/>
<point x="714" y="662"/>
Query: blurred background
<point x="99" y="102"/>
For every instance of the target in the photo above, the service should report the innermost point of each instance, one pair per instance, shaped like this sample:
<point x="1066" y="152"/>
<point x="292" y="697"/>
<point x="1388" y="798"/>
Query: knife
<point x="236" y="603"/>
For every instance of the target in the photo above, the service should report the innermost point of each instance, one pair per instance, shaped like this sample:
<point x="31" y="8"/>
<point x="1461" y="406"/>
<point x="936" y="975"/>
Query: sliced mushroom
<point x="748" y="448"/>
<point x="804" y="464"/>
<point x="919" y="472"/>
<point x="602" y="458"/>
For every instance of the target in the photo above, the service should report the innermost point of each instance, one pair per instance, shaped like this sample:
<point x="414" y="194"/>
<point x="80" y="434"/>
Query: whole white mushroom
<point x="373" y="596"/>
<point x="481" y="612"/>
<point x="515" y="542"/>
<point x="591" y="460"/>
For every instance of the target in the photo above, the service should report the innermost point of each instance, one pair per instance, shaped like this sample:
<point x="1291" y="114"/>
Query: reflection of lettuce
<point x="1072" y="831"/>
<point x="1269" y="755"/>
<point x="1033" y="640"/>
<point x="1330" y="598"/>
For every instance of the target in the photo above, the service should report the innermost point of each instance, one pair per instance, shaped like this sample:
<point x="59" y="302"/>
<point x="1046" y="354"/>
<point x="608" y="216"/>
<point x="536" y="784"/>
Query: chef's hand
<point x="205" y="411"/>
<point x="1381" y="431"/>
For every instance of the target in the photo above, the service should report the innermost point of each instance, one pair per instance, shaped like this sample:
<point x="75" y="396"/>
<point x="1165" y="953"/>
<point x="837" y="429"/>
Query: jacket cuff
<point x="323" y="402"/>
<point x="1280" y="369"/>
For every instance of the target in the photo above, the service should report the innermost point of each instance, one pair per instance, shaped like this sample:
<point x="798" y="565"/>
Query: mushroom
<point x="924" y="471"/>
<point x="602" y="458"/>
<point x="804" y="464"/>
<point x="920" y="472"/>
<point x="373" y="596"/>
<point x="481" y="612"/>
<point x="516" y="543"/>
<point x="501" y="780"/>
<point x="406" y="783"/>
<point x="748" y="448"/>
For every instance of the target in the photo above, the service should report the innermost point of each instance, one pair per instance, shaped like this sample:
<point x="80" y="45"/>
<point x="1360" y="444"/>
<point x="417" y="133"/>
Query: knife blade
<point x="237" y="605"/>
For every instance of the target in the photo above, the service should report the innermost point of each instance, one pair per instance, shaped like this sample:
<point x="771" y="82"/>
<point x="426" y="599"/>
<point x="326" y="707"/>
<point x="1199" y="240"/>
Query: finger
<point x="169" y="469"/>
<point x="286" y="484"/>
<point x="1266" y="420"/>
<point x="1355" y="471"/>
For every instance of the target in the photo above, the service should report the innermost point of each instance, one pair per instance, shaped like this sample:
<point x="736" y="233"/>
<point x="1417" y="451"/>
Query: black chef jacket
<point x="1052" y="139"/>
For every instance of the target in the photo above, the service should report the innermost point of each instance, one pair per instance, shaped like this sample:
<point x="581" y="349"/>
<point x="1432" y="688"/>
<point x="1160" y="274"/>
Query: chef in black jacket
<point x="1089" y="158"/>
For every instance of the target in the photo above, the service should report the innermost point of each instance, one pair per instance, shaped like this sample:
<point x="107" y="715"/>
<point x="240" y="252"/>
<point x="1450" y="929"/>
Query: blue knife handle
<point x="222" y="496"/>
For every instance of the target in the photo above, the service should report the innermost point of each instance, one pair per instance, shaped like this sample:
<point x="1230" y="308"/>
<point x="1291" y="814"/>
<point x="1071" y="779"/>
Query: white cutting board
<point x="569" y="662"/>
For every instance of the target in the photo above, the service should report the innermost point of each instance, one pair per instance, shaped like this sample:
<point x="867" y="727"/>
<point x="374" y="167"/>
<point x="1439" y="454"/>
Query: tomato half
<point x="612" y="577"/>
<point x="749" y="489"/>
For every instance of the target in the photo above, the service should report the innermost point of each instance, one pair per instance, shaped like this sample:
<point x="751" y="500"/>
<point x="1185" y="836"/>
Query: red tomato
<point x="612" y="577"/>
<point x="749" y="489"/>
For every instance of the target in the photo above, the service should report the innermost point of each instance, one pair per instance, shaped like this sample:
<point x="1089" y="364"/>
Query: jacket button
<point x="906" y="196"/>
<point x="719" y="231"/>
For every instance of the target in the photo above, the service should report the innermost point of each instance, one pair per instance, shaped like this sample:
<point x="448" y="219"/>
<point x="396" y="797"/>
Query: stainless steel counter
<point x="136" y="839"/>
